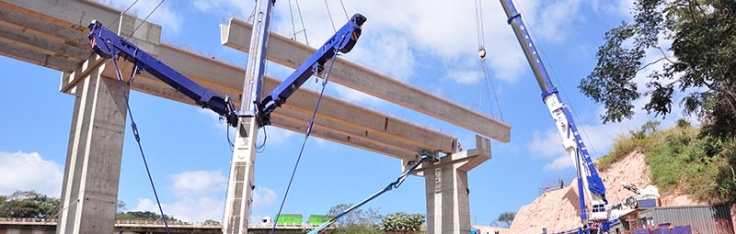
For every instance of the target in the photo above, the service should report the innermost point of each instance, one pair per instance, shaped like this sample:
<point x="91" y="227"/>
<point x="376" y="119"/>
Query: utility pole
<point x="240" y="184"/>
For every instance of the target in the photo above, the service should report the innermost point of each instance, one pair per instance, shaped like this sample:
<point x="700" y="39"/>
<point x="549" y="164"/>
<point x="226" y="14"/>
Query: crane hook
<point x="482" y="53"/>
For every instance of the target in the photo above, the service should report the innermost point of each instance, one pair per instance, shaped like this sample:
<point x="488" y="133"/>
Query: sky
<point x="429" y="44"/>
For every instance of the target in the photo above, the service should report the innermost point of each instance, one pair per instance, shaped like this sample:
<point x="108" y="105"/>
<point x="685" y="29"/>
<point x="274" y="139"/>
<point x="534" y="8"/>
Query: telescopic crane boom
<point x="590" y="184"/>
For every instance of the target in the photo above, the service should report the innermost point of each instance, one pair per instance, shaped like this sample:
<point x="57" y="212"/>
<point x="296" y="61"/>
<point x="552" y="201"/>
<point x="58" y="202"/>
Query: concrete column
<point x="446" y="182"/>
<point x="91" y="176"/>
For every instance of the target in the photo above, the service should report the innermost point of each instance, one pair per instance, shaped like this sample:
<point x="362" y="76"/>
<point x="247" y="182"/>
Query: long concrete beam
<point x="291" y="53"/>
<point x="10" y="49"/>
<point x="380" y="133"/>
<point x="288" y="117"/>
<point x="282" y="119"/>
<point x="228" y="80"/>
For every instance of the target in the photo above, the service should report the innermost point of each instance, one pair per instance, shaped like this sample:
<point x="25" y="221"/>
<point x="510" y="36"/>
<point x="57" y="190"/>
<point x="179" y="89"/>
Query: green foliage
<point x="142" y="215"/>
<point x="371" y="222"/>
<point x="358" y="221"/>
<point x="506" y="218"/>
<point x="638" y="140"/>
<point x="401" y="222"/>
<point x="357" y="228"/>
<point x="357" y="217"/>
<point x="702" y="70"/>
<point x="28" y="204"/>
<point x="211" y="222"/>
<point x="684" y="158"/>
<point x="702" y="163"/>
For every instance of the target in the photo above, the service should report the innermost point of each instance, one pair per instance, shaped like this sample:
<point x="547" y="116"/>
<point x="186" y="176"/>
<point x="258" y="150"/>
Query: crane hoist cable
<point x="125" y="11"/>
<point x="149" y="15"/>
<point x="330" y="14"/>
<point x="306" y="136"/>
<point x="304" y="28"/>
<point x="490" y="88"/>
<point x="134" y="127"/>
<point x="293" y="25"/>
<point x="343" y="10"/>
<point x="301" y="20"/>
<point x="426" y="156"/>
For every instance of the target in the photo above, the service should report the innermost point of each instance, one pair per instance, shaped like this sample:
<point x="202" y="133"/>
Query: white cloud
<point x="199" y="182"/>
<point x="400" y="34"/>
<point x="167" y="17"/>
<point x="465" y="77"/>
<point x="29" y="171"/>
<point x="187" y="209"/>
<point x="560" y="163"/>
<point x="547" y="144"/>
<point x="263" y="197"/>
<point x="275" y="135"/>
<point x="200" y="195"/>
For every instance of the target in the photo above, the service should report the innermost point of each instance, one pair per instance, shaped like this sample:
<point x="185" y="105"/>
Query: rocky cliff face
<point x="558" y="210"/>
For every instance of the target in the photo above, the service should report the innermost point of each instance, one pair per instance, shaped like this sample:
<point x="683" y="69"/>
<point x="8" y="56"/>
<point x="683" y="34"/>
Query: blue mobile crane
<point x="108" y="44"/>
<point x="590" y="183"/>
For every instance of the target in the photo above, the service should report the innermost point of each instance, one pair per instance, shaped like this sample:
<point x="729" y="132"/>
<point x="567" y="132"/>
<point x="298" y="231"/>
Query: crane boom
<point x="589" y="182"/>
<point x="108" y="44"/>
<point x="343" y="41"/>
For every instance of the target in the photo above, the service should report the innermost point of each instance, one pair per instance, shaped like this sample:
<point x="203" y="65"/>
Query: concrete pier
<point x="447" y="190"/>
<point x="91" y="176"/>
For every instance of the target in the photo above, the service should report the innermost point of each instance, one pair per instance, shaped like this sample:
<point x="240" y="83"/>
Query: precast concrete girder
<point x="291" y="53"/>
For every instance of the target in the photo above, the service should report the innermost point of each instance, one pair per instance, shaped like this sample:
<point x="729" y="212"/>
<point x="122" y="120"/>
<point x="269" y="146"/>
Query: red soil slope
<point x="558" y="210"/>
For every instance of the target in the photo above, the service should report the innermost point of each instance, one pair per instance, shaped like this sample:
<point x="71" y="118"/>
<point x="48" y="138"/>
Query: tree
<point x="142" y="215"/>
<point x="358" y="221"/>
<point x="358" y="216"/>
<point x="506" y="218"/>
<point x="702" y="68"/>
<point x="401" y="222"/>
<point x="28" y="204"/>
<point x="211" y="222"/>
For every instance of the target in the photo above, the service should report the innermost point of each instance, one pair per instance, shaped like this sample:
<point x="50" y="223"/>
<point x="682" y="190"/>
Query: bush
<point x="681" y="157"/>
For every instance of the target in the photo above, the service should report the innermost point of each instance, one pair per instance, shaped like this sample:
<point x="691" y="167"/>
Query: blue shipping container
<point x="647" y="203"/>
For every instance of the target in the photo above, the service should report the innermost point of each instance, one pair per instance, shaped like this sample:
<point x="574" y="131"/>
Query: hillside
<point x="682" y="173"/>
<point x="558" y="210"/>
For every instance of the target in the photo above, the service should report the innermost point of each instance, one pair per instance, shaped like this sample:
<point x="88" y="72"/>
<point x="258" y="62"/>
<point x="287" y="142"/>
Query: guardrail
<point x="151" y="223"/>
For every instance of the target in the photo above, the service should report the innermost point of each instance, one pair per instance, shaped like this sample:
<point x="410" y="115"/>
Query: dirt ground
<point x="558" y="210"/>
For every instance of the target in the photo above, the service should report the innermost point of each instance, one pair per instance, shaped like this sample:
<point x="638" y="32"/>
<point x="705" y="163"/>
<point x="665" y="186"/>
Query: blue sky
<point x="428" y="44"/>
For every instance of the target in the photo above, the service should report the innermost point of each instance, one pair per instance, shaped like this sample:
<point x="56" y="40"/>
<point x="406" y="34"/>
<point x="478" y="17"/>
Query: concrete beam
<point x="228" y="79"/>
<point x="77" y="14"/>
<point x="37" y="43"/>
<point x="287" y="117"/>
<point x="39" y="27"/>
<point x="290" y="53"/>
<point x="10" y="49"/>
<point x="74" y="14"/>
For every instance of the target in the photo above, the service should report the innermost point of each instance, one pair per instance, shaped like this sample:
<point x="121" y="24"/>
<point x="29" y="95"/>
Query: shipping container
<point x="715" y="219"/>
<point x="647" y="203"/>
